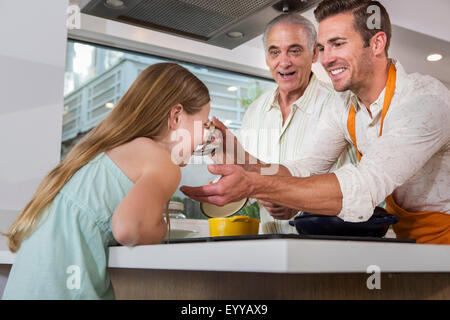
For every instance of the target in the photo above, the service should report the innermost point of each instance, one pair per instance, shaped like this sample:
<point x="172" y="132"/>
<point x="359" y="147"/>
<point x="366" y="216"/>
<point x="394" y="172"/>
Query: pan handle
<point x="240" y="219"/>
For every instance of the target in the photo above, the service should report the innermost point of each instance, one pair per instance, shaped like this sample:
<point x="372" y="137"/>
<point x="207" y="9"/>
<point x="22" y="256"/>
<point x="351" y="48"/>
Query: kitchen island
<point x="278" y="269"/>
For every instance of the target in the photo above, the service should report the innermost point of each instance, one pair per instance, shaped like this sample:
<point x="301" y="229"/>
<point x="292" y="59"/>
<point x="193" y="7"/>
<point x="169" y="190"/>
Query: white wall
<point x="32" y="63"/>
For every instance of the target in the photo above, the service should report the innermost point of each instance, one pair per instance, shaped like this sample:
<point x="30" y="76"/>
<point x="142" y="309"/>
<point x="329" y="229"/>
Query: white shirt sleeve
<point x="412" y="134"/>
<point x="324" y="149"/>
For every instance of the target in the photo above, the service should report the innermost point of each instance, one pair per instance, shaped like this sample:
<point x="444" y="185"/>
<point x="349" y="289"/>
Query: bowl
<point x="233" y="226"/>
<point x="212" y="211"/>
<point x="319" y="224"/>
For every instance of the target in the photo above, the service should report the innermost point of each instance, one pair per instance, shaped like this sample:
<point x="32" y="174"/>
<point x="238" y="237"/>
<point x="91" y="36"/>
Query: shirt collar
<point x="401" y="76"/>
<point x="300" y="103"/>
<point x="374" y="107"/>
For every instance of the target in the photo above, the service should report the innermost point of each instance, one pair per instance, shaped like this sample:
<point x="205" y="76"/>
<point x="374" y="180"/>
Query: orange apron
<point x="424" y="226"/>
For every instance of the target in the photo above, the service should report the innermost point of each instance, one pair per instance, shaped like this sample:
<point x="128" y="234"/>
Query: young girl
<point x="112" y="188"/>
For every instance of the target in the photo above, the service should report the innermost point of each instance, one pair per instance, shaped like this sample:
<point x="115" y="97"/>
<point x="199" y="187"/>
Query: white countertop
<point x="280" y="256"/>
<point x="286" y="256"/>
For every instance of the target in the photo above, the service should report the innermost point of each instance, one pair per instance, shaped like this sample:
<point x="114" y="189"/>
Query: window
<point x="97" y="77"/>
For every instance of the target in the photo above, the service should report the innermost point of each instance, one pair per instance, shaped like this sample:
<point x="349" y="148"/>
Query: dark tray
<point x="287" y="236"/>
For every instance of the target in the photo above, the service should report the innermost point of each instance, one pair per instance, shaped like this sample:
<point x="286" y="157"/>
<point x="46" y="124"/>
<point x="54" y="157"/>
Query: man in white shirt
<point x="278" y="124"/>
<point x="399" y="123"/>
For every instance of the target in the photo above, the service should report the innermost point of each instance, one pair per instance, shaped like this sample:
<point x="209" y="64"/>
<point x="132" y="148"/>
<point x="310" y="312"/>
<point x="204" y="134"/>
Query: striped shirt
<point x="264" y="135"/>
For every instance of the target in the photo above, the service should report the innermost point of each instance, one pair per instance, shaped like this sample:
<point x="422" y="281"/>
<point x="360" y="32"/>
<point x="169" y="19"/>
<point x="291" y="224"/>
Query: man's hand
<point x="234" y="185"/>
<point x="230" y="150"/>
<point x="278" y="212"/>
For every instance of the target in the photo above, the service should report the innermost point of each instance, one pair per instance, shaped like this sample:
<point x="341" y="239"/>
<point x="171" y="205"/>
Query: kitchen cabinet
<point x="281" y="269"/>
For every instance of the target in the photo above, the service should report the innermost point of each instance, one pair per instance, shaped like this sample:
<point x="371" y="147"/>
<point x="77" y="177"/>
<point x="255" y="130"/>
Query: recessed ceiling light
<point x="109" y="105"/>
<point x="232" y="88"/>
<point x="114" y="4"/>
<point x="434" y="57"/>
<point x="235" y="34"/>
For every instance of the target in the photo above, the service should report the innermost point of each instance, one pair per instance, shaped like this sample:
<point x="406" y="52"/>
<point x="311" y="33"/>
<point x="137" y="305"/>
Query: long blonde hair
<point x="142" y="112"/>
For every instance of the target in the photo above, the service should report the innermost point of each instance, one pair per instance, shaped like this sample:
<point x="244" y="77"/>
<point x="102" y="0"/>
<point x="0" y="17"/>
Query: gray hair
<point x="296" y="19"/>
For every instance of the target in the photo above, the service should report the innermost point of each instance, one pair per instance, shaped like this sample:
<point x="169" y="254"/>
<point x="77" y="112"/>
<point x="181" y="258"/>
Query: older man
<point x="277" y="126"/>
<point x="398" y="122"/>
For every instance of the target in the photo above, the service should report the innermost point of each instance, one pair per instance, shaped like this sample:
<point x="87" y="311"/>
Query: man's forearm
<point x="318" y="194"/>
<point x="274" y="183"/>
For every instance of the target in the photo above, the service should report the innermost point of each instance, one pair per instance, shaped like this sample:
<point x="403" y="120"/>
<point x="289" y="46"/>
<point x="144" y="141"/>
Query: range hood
<point x="223" y="23"/>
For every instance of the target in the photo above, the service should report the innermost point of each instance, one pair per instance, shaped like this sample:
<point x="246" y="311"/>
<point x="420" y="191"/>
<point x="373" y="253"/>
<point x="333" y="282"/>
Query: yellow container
<point x="233" y="226"/>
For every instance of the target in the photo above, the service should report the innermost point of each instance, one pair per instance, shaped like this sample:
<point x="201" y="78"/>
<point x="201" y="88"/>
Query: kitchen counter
<point x="280" y="256"/>
<point x="285" y="256"/>
<point x="277" y="268"/>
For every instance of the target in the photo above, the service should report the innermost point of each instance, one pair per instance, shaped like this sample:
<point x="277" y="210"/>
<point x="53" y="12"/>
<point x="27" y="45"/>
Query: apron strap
<point x="389" y="94"/>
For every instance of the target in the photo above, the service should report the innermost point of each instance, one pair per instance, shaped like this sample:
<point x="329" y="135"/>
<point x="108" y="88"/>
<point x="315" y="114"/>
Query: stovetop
<point x="286" y="236"/>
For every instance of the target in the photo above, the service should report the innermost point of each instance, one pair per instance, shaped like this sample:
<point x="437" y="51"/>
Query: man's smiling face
<point x="342" y="52"/>
<point x="289" y="57"/>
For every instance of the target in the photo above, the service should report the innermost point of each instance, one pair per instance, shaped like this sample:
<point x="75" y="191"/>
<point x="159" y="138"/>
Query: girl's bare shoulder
<point x="150" y="152"/>
<point x="143" y="156"/>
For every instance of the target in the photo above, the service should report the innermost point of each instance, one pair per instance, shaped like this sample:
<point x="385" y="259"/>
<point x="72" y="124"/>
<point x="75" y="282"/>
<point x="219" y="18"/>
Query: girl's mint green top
<point x="66" y="257"/>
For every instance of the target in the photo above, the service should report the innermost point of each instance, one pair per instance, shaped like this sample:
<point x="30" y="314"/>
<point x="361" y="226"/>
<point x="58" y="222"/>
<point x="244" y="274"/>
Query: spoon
<point x="207" y="148"/>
